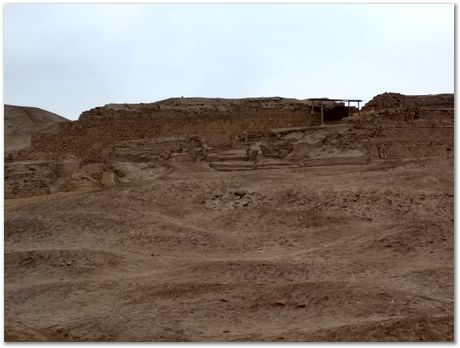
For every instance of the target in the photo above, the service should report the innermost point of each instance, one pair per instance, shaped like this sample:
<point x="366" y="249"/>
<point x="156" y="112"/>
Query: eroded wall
<point x="397" y="100"/>
<point x="87" y="137"/>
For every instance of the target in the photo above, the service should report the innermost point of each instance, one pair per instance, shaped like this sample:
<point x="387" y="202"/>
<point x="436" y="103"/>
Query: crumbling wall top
<point x="389" y="100"/>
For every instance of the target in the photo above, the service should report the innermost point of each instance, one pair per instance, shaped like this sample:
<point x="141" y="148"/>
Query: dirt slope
<point x="22" y="121"/>
<point x="343" y="253"/>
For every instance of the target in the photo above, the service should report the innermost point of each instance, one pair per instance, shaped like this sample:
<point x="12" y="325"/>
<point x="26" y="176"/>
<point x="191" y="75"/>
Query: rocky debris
<point x="230" y="200"/>
<point x="279" y="149"/>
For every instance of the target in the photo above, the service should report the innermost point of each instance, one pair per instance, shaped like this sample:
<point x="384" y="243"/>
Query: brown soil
<point x="331" y="253"/>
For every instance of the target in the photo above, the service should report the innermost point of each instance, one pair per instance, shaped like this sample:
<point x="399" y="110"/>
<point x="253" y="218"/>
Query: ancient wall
<point x="87" y="137"/>
<point x="404" y="116"/>
<point x="29" y="178"/>
<point x="397" y="100"/>
<point x="137" y="141"/>
<point x="154" y="149"/>
<point x="414" y="142"/>
<point x="409" y="126"/>
<point x="38" y="177"/>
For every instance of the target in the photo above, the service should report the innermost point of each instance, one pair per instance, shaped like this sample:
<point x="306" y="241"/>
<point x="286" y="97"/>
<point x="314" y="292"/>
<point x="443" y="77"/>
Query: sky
<point x="68" y="58"/>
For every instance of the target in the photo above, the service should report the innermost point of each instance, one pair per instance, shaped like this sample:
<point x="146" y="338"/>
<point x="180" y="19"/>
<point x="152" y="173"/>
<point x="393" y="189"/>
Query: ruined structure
<point x="219" y="121"/>
<point x="398" y="100"/>
<point x="131" y="141"/>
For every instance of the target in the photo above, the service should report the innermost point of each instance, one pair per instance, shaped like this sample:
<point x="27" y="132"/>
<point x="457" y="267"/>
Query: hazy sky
<point x="70" y="58"/>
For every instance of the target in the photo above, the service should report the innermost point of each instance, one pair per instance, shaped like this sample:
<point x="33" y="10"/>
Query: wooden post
<point x="322" y="114"/>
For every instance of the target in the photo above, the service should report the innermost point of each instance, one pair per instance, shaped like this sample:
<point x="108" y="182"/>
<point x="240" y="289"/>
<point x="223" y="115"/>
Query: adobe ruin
<point x="108" y="142"/>
<point x="218" y="121"/>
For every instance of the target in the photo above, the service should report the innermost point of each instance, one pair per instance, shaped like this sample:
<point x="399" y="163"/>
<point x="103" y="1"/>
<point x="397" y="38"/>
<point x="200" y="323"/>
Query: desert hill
<point x="22" y="121"/>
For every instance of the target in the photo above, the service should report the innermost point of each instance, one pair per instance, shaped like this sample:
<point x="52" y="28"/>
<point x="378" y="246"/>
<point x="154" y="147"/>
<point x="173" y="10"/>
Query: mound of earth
<point x="22" y="121"/>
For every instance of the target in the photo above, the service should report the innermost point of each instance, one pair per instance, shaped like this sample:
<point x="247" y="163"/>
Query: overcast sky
<point x="70" y="58"/>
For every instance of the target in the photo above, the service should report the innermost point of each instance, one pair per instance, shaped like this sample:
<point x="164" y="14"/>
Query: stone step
<point x="312" y="162"/>
<point x="224" y="158"/>
<point x="247" y="165"/>
<point x="335" y="161"/>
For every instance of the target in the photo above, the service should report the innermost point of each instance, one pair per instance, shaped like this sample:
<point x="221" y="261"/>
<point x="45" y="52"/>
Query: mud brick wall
<point x="396" y="100"/>
<point x="148" y="150"/>
<point x="97" y="129"/>
<point x="29" y="178"/>
<point x="335" y="161"/>
<point x="414" y="142"/>
<point x="399" y="151"/>
<point x="439" y="116"/>
<point x="415" y="116"/>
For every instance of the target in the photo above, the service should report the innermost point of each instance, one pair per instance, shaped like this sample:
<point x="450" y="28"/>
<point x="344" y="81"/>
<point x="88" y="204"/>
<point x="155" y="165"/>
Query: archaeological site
<point x="208" y="219"/>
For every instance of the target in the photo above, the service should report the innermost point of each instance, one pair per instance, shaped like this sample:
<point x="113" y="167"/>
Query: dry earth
<point x="342" y="253"/>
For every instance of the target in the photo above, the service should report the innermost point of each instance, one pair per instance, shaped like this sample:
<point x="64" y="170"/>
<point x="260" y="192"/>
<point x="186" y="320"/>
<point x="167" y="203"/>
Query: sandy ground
<point x="343" y="253"/>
